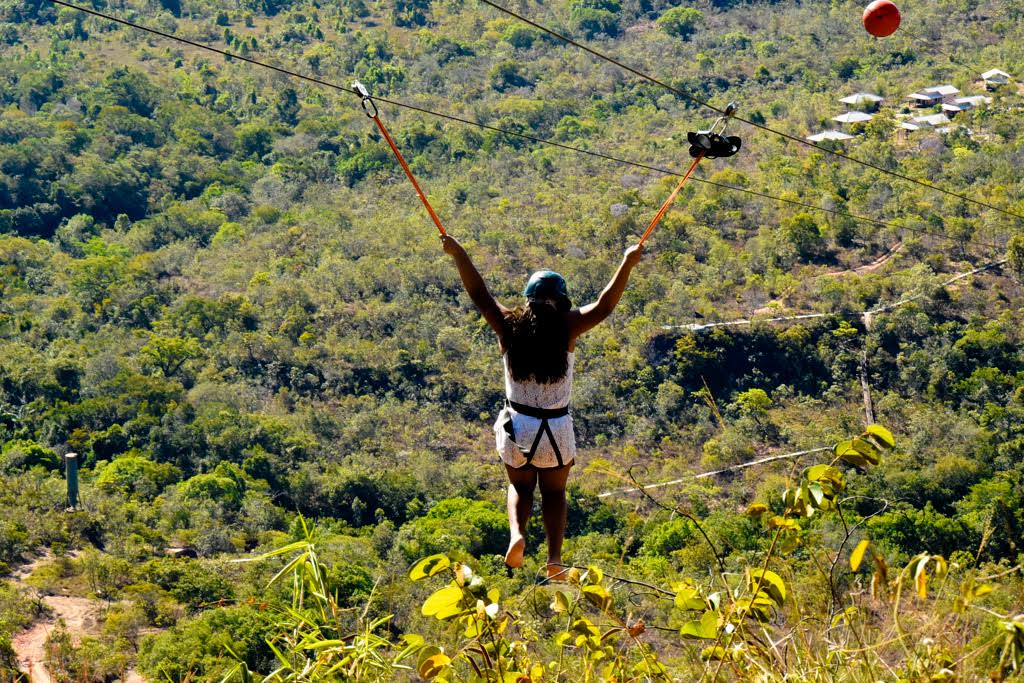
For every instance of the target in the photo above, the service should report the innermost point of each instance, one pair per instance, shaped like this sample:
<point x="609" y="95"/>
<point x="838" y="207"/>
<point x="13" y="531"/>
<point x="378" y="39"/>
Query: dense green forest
<point x="219" y="290"/>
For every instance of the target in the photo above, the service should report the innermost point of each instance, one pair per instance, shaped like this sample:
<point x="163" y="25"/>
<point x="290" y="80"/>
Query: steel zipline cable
<point x="649" y="167"/>
<point x="792" y="138"/>
<point x="525" y="136"/>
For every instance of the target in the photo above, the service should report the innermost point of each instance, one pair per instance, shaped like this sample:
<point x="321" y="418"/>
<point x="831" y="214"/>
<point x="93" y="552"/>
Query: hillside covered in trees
<point x="219" y="290"/>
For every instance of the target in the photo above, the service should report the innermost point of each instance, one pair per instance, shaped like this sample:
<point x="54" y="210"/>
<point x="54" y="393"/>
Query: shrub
<point x="681" y="22"/>
<point x="135" y="475"/>
<point x="667" y="537"/>
<point x="596" y="17"/>
<point x="226" y="484"/>
<point x="479" y="527"/>
<point x="191" y="582"/>
<point x="505" y="75"/>
<point x="23" y="455"/>
<point x="253" y="140"/>
<point x="198" y="649"/>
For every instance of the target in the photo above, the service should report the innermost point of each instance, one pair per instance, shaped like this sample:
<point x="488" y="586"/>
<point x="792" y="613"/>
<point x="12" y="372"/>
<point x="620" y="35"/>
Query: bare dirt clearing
<point x="81" y="616"/>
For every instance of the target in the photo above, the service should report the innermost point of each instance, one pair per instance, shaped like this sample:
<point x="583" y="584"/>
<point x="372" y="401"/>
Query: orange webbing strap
<point x="671" y="198"/>
<point x="408" y="173"/>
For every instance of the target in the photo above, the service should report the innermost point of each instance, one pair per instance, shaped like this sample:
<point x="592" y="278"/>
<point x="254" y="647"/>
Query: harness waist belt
<point x="542" y="414"/>
<point x="539" y="413"/>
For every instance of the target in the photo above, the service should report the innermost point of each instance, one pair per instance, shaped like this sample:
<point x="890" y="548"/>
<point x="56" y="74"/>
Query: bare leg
<point x="521" y="483"/>
<point x="553" y="508"/>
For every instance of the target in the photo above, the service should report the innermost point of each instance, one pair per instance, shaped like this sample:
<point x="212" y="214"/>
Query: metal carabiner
<point x="730" y="111"/>
<point x="367" y="101"/>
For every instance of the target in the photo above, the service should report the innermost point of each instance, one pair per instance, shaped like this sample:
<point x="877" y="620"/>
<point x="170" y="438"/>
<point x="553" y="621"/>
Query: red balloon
<point x="881" y="18"/>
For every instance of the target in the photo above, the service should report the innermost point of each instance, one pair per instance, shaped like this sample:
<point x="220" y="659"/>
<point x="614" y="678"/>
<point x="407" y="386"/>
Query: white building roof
<point x="853" y="117"/>
<point x="973" y="100"/>
<point x="933" y="120"/>
<point x="860" y="98"/>
<point x="943" y="90"/>
<point x="996" y="75"/>
<point x="927" y="97"/>
<point x="965" y="103"/>
<point x="909" y="126"/>
<point x="829" y="135"/>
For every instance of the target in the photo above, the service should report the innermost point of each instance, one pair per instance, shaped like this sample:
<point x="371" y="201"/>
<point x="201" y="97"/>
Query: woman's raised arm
<point x="591" y="315"/>
<point x="493" y="312"/>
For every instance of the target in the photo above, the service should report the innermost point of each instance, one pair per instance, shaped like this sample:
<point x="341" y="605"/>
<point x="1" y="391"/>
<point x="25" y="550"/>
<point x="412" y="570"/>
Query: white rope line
<point x="697" y="327"/>
<point x="704" y="475"/>
<point x="956" y="278"/>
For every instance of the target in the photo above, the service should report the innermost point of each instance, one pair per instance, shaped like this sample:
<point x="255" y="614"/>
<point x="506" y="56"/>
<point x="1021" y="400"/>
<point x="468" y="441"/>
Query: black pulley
<point x="712" y="145"/>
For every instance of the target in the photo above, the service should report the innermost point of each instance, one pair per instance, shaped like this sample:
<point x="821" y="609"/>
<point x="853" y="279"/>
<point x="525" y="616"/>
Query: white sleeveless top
<point x="516" y="434"/>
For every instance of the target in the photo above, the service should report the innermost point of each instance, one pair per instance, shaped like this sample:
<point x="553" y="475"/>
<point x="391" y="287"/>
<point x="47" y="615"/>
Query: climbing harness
<point x="370" y="107"/>
<point x="542" y="414"/>
<point x="704" y="144"/>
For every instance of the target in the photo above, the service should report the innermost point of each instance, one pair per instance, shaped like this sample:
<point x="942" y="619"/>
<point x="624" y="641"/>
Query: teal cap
<point x="546" y="284"/>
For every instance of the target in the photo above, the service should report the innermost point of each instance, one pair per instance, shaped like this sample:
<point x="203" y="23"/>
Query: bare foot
<point x="557" y="572"/>
<point x="514" y="554"/>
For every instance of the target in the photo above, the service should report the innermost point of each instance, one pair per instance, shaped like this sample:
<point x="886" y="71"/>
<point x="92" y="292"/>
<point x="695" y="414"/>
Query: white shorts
<point x="515" y="433"/>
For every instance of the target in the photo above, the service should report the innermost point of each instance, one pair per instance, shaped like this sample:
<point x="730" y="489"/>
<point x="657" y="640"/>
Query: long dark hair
<point x="537" y="339"/>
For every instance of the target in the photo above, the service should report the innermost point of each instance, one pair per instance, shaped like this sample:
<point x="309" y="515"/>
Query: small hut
<point x="829" y="135"/>
<point x="995" y="78"/>
<point x="852" y="117"/>
<point x="964" y="104"/>
<point x="929" y="97"/>
<point x="864" y="101"/>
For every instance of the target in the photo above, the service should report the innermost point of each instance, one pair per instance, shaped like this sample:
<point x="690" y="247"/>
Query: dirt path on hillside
<point x="777" y="305"/>
<point x="80" y="615"/>
<point x="869" y="267"/>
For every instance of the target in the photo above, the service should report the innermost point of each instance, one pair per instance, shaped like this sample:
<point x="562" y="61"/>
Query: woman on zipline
<point x="534" y="430"/>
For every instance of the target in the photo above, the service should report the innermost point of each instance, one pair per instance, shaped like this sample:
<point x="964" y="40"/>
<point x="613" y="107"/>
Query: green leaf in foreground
<point x="598" y="596"/>
<point x="433" y="665"/>
<point x="769" y="583"/>
<point x="688" y="597"/>
<point x="429" y="566"/>
<point x="882" y="434"/>
<point x="443" y="603"/>
<point x="857" y="556"/>
<point x="705" y="629"/>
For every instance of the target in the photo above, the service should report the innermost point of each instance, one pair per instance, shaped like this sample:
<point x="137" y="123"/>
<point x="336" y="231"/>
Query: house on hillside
<point x="904" y="130"/>
<point x="921" y="100"/>
<point x="853" y="117"/>
<point x="829" y="135"/>
<point x="939" y="122"/>
<point x="944" y="91"/>
<point x="995" y="78"/>
<point x="864" y="101"/>
<point x="964" y="103"/>
<point x="929" y="97"/>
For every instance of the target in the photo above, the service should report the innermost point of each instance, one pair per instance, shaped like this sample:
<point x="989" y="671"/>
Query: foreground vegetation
<point x="749" y="620"/>
<point x="217" y="289"/>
